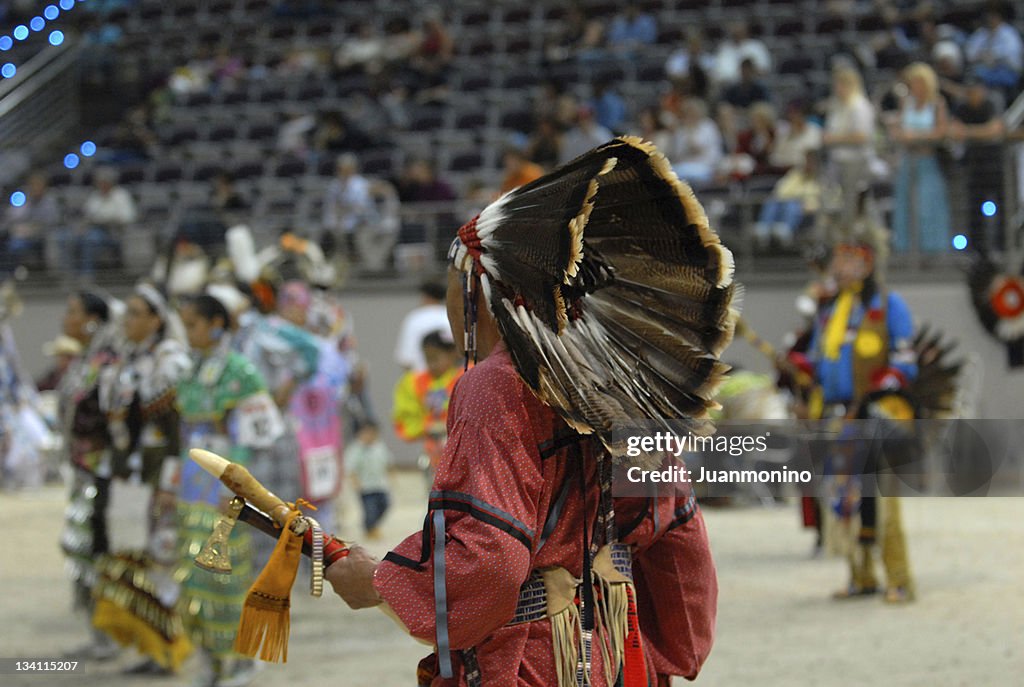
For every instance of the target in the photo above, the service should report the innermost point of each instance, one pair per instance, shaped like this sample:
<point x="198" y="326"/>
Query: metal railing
<point x="40" y="106"/>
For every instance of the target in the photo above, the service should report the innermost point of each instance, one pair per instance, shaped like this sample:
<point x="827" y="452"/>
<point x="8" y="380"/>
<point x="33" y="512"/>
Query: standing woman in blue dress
<point x="921" y="195"/>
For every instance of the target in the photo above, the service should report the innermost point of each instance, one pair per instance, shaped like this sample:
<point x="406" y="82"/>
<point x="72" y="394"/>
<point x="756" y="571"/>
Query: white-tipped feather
<point x="241" y="248"/>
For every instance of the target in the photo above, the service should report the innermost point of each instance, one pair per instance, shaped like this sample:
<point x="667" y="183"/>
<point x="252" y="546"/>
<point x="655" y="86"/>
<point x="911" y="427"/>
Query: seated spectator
<point x="433" y="55"/>
<point x="226" y="70"/>
<point x="794" y="137"/>
<point x="518" y="169"/>
<point x="978" y="124"/>
<point x="737" y="47"/>
<point x="795" y="196"/>
<point x="23" y="233"/>
<point x="545" y="146"/>
<point x="293" y="138"/>
<point x="575" y="37"/>
<point x="555" y="101"/>
<point x="132" y="140"/>
<point x="585" y="135"/>
<point x="630" y="30"/>
<point x="349" y="207"/>
<point x="695" y="147"/>
<point x="226" y="197"/>
<point x="366" y="51"/>
<point x="108" y="211"/>
<point x="376" y="240"/>
<point x="995" y="51"/>
<point x="335" y="135"/>
<point x="419" y="183"/>
<point x="691" y="64"/>
<point x="889" y="48"/>
<point x="609" y="107"/>
<point x="749" y="89"/>
<point x="651" y="124"/>
<point x="754" y="145"/>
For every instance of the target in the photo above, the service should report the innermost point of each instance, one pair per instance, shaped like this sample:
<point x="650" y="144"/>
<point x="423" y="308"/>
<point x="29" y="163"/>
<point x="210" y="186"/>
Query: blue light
<point x="989" y="209"/>
<point x="20" y="32"/>
<point x="67" y="4"/>
<point x="51" y="12"/>
<point x="17" y="199"/>
<point x="71" y="160"/>
<point x="6" y="43"/>
<point x="88" y="148"/>
<point x="959" y="242"/>
<point x="37" y="23"/>
<point x="8" y="70"/>
<point x="56" y="37"/>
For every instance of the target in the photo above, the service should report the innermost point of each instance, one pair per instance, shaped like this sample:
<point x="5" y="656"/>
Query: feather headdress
<point x="611" y="292"/>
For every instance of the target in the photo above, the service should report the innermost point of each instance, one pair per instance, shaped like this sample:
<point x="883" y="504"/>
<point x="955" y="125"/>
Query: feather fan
<point x="614" y="296"/>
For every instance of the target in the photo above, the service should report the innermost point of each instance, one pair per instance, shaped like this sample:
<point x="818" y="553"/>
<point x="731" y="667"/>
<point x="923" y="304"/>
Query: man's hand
<point x="352" y="578"/>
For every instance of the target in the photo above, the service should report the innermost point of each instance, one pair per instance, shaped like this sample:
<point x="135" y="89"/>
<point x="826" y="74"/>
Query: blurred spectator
<point x="545" y="146"/>
<point x="555" y="101"/>
<point x="366" y="51"/>
<point x="335" y="134"/>
<point x="889" y="48"/>
<point x="849" y="136"/>
<point x="193" y="77"/>
<point x="24" y="228"/>
<point x="749" y="89"/>
<point x="948" y="61"/>
<point x="754" y="145"/>
<point x="419" y="183"/>
<point x="226" y="70"/>
<point x="995" y="51"/>
<point x="226" y="197"/>
<point x="293" y="136"/>
<point x="518" y="169"/>
<point x="132" y="140"/>
<point x="98" y="59"/>
<point x="585" y="135"/>
<point x="204" y="226"/>
<point x="737" y="47"/>
<point x="429" y="316"/>
<point x="609" y="107"/>
<point x="652" y="127"/>
<point x="795" y="136"/>
<point x="630" y="30"/>
<point x="576" y="37"/>
<point x="108" y="211"/>
<point x="692" y="62"/>
<point x="432" y="56"/>
<point x="795" y="196"/>
<point x="377" y="237"/>
<point x="695" y="147"/>
<point x="348" y="205"/>
<point x="979" y="126"/>
<point x="300" y="62"/>
<point x="921" y="208"/>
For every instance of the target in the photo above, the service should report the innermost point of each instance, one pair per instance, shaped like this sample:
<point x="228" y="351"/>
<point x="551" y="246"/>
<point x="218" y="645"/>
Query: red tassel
<point x="634" y="672"/>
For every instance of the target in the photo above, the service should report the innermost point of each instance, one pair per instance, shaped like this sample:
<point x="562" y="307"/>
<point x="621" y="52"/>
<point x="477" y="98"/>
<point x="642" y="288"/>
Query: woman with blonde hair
<point x="849" y="135"/>
<point x="920" y="201"/>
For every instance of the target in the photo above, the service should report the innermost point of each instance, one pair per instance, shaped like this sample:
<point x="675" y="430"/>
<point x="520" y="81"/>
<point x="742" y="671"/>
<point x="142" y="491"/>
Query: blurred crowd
<point x="929" y="136"/>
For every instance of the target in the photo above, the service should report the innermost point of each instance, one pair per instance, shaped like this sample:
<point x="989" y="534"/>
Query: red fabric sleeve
<point x="677" y="596"/>
<point x="491" y="465"/>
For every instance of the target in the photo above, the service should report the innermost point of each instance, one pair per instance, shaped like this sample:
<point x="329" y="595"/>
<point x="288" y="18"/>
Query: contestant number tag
<point x="259" y="421"/>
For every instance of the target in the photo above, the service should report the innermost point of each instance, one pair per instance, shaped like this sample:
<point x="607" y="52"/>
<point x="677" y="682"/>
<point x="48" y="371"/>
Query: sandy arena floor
<point x="776" y="625"/>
